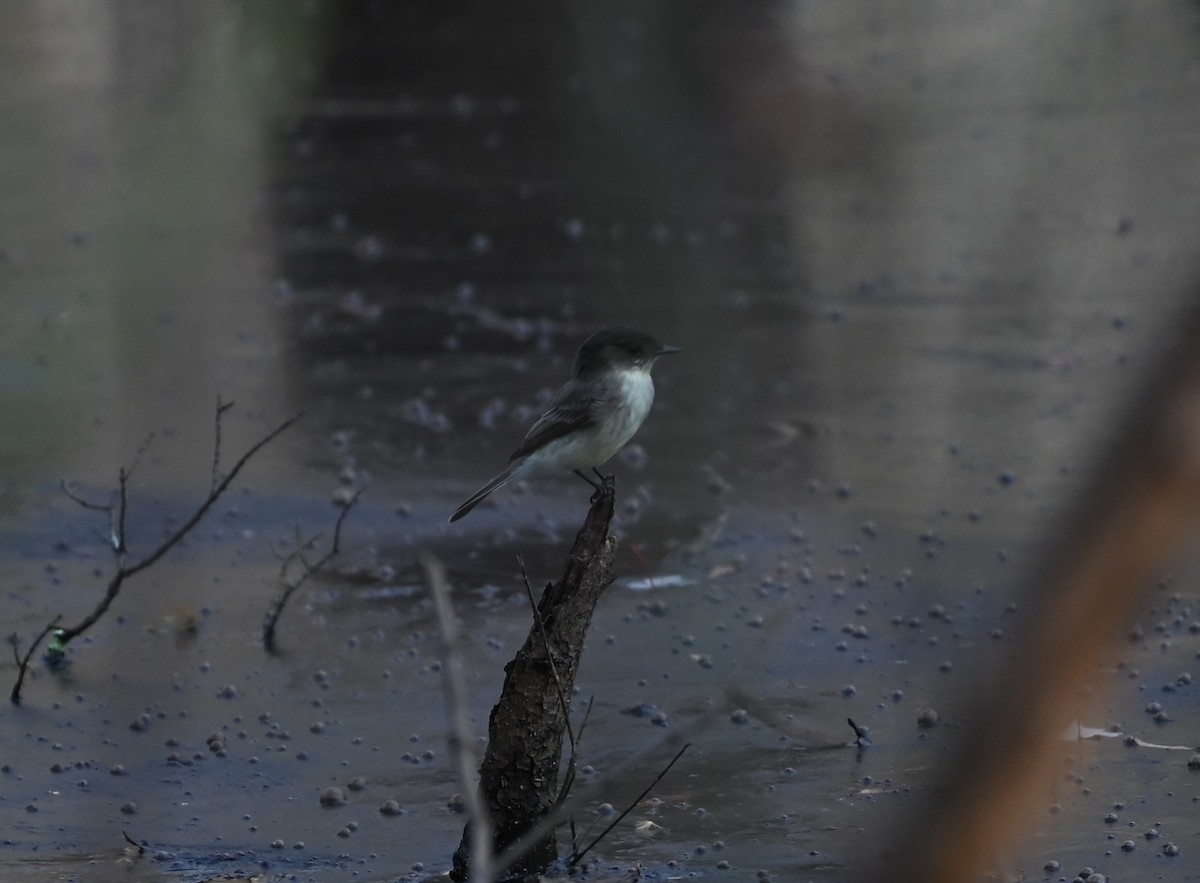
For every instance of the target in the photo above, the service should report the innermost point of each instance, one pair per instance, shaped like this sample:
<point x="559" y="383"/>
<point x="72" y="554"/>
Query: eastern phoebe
<point x="594" y="414"/>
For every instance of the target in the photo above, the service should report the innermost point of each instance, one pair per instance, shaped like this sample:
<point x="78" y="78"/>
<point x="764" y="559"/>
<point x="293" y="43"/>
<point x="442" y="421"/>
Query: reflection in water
<point x="898" y="247"/>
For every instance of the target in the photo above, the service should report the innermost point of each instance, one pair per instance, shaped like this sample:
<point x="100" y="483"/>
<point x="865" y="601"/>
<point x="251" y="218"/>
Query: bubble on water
<point x="368" y="249"/>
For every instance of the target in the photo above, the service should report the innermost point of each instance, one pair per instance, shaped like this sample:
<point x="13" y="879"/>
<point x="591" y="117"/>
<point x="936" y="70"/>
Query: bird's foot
<point x="607" y="486"/>
<point x="607" y="482"/>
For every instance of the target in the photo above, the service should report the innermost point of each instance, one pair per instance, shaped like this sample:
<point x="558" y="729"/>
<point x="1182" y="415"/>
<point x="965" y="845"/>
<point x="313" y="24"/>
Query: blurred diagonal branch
<point x="1136" y="516"/>
<point x="479" y="822"/>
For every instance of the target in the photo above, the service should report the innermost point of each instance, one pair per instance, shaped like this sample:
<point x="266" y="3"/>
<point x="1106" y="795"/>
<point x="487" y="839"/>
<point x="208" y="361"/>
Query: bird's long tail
<point x="476" y="498"/>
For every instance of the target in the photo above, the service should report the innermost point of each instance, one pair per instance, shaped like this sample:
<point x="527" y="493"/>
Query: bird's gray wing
<point x="573" y="408"/>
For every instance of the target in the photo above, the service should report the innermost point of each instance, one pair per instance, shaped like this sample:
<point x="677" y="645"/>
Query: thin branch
<point x="288" y="588"/>
<point x="116" y="510"/>
<point x="108" y="508"/>
<point x="216" y="462"/>
<point x="579" y="855"/>
<point x="569" y="778"/>
<point x="117" y="535"/>
<point x="213" y="496"/>
<point x="127" y="570"/>
<point x="280" y="550"/>
<point x="572" y="737"/>
<point x="82" y="501"/>
<point x="23" y="663"/>
<point x="558" y="814"/>
<point x="455" y="685"/>
<point x="572" y="761"/>
<point x="139" y="453"/>
<point x="587" y="713"/>
<point x="562" y="697"/>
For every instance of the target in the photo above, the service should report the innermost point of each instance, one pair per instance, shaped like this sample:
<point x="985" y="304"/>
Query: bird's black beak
<point x="666" y="350"/>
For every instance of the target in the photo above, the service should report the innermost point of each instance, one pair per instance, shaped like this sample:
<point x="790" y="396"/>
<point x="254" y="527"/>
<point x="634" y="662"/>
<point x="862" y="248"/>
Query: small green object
<point x="56" y="649"/>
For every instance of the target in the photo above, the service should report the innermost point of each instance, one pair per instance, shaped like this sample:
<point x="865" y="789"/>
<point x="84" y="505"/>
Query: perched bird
<point x="594" y="414"/>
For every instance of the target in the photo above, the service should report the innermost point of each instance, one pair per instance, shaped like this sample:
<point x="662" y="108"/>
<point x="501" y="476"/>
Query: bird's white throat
<point x="638" y="391"/>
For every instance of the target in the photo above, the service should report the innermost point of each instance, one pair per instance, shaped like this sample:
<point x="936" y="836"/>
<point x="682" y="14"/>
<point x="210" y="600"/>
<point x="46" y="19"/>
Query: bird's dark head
<point x="620" y="349"/>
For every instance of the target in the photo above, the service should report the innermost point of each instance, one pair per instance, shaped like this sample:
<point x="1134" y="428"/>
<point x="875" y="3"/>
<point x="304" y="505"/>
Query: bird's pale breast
<point x="623" y="413"/>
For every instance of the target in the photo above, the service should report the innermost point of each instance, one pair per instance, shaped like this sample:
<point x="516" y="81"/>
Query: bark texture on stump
<point x="518" y="778"/>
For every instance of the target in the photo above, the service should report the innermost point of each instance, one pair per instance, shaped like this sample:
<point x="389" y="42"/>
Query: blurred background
<point x="918" y="256"/>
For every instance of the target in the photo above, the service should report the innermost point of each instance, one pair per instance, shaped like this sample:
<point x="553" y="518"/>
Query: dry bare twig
<point x="115" y="508"/>
<point x="515" y="851"/>
<point x="578" y="856"/>
<point x="558" y="685"/>
<point x="118" y="508"/>
<point x="23" y="661"/>
<point x="573" y="738"/>
<point x="288" y="586"/>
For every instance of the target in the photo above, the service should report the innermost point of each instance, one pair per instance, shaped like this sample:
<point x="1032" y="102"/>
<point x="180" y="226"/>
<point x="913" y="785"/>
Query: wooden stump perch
<point x="518" y="779"/>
